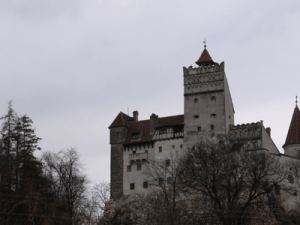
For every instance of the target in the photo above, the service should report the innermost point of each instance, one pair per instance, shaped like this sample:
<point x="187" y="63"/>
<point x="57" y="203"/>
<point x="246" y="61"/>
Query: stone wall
<point x="116" y="171"/>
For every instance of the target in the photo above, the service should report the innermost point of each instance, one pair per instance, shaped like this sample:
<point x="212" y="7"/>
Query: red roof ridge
<point x="293" y="136"/>
<point x="158" y="118"/>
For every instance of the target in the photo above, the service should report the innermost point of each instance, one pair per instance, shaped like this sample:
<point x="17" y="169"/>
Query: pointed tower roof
<point x="293" y="136"/>
<point x="205" y="58"/>
<point x="120" y="120"/>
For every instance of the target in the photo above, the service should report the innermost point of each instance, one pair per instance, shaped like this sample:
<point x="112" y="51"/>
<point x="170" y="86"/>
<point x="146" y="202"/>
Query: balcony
<point x="138" y="157"/>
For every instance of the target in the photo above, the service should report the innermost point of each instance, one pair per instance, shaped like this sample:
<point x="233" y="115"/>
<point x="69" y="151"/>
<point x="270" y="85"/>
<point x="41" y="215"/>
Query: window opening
<point x="129" y="168"/>
<point x="169" y="180"/>
<point x="145" y="184"/>
<point x="136" y="136"/>
<point x="173" y="146"/>
<point x="146" y="151"/>
<point x="167" y="162"/>
<point x="196" y="116"/>
<point x="277" y="189"/>
<point x="160" y="149"/>
<point x="134" y="152"/>
<point x="132" y="186"/>
<point x="213" y="98"/>
<point x="160" y="181"/>
<point x="196" y="100"/>
<point x="139" y="166"/>
<point x="117" y="134"/>
<point x="199" y="129"/>
<point x="180" y="146"/>
<point x="212" y="127"/>
<point x="213" y="115"/>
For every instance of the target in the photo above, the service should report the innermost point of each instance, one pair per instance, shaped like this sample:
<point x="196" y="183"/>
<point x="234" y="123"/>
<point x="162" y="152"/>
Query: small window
<point x="117" y="134"/>
<point x="212" y="127"/>
<point x="134" y="152"/>
<point x="213" y="97"/>
<point x="180" y="146"/>
<point x="132" y="186"/>
<point x="145" y="184"/>
<point x="196" y="116"/>
<point x="169" y="180"/>
<point x="229" y="117"/>
<point x="173" y="146"/>
<point x="139" y="166"/>
<point x="160" y="149"/>
<point x="295" y="193"/>
<point x="146" y="151"/>
<point x="136" y="136"/>
<point x="277" y="189"/>
<point x="129" y="168"/>
<point x="196" y="100"/>
<point x="167" y="162"/>
<point x="213" y="115"/>
<point x="199" y="129"/>
<point x="298" y="153"/>
<point x="160" y="181"/>
<point x="291" y="179"/>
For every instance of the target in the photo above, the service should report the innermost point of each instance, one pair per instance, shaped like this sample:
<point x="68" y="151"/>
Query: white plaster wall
<point x="138" y="177"/>
<point x="268" y="142"/>
<point x="292" y="150"/>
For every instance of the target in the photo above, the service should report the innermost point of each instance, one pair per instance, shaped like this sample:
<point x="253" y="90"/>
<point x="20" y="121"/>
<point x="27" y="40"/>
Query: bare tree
<point x="235" y="185"/>
<point x="69" y="183"/>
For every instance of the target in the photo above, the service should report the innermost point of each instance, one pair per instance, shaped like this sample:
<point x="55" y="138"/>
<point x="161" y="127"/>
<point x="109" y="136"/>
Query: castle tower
<point x="118" y="130"/>
<point x="292" y="143"/>
<point x="208" y="107"/>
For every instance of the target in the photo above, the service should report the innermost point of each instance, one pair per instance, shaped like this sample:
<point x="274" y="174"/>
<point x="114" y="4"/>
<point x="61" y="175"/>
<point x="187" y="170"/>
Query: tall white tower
<point x="208" y="107"/>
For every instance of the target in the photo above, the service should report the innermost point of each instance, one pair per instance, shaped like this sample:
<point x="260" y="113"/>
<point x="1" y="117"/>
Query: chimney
<point x="135" y="115"/>
<point x="268" y="131"/>
<point x="153" y="122"/>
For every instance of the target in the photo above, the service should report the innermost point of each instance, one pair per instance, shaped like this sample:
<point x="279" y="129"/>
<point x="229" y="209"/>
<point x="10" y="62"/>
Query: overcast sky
<point x="72" y="66"/>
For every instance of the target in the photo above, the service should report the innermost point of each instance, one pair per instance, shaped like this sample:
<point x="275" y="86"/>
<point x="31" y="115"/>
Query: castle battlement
<point x="204" y="69"/>
<point x="245" y="126"/>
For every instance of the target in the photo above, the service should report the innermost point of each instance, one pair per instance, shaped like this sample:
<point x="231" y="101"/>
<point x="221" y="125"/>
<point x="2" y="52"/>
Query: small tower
<point x="208" y="107"/>
<point x="292" y="143"/>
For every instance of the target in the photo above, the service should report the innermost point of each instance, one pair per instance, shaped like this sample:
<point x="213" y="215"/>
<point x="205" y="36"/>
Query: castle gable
<point x="120" y="120"/>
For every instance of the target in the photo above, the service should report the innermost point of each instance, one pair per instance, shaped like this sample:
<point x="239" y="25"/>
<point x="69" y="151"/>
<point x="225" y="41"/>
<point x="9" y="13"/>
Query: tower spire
<point x="205" y="58"/>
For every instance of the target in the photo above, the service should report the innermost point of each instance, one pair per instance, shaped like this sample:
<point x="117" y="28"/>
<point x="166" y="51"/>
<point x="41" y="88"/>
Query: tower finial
<point x="204" y="43"/>
<point x="296" y="100"/>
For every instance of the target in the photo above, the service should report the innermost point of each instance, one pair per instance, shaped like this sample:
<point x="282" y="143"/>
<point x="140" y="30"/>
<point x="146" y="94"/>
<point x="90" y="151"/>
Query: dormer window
<point x="136" y="136"/>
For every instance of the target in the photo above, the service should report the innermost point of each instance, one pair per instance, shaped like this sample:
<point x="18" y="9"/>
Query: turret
<point x="292" y="143"/>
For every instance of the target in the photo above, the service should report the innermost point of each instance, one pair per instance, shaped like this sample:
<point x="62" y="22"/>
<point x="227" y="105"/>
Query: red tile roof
<point x="293" y="136"/>
<point x="144" y="125"/>
<point x="204" y="58"/>
<point x="120" y="120"/>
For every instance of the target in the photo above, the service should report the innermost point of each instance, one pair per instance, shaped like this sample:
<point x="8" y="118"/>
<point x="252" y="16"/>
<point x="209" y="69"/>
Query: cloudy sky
<point x="72" y="65"/>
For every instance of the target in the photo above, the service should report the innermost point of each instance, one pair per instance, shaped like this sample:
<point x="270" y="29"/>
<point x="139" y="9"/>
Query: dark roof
<point x="144" y="126"/>
<point x="120" y="120"/>
<point x="293" y="136"/>
<point x="175" y="120"/>
<point x="204" y="58"/>
<point x="237" y="146"/>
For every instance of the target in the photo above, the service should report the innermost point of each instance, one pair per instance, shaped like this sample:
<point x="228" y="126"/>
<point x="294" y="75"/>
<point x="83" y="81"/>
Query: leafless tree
<point x="69" y="183"/>
<point x="235" y="185"/>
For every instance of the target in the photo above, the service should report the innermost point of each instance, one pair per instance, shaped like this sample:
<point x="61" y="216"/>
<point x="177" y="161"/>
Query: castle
<point x="208" y="112"/>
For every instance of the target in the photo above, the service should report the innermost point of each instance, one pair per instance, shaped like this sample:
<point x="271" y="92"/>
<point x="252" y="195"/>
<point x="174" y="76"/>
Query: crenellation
<point x="204" y="69"/>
